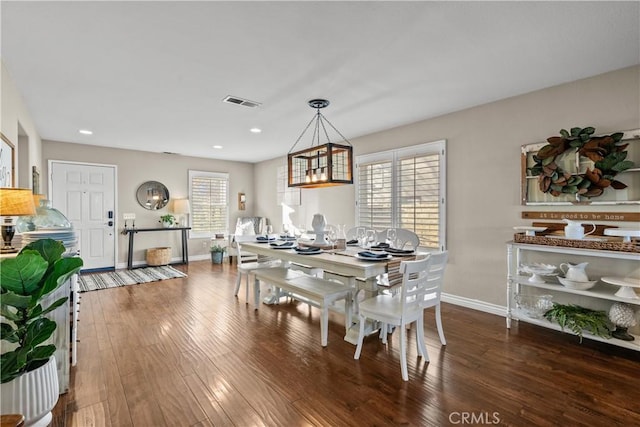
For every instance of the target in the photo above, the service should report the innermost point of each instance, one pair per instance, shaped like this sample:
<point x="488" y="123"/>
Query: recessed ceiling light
<point x="255" y="130"/>
<point x="217" y="147"/>
<point x="85" y="132"/>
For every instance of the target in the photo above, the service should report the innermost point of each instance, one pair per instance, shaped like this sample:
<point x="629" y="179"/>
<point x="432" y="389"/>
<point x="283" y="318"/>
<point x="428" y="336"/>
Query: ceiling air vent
<point x="240" y="101"/>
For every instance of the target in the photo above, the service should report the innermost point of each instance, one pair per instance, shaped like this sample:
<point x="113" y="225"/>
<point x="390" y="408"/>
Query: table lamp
<point x="182" y="207"/>
<point x="14" y="202"/>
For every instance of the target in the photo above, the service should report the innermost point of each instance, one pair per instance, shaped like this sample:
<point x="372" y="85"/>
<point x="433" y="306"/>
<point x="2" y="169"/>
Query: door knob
<point x="110" y="223"/>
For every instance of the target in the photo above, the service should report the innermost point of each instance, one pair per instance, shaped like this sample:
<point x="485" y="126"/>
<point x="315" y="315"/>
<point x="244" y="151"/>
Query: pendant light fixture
<point x="321" y="165"/>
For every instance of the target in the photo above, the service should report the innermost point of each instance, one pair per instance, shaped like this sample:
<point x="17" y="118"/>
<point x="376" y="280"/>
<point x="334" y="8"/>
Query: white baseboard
<point x="474" y="304"/>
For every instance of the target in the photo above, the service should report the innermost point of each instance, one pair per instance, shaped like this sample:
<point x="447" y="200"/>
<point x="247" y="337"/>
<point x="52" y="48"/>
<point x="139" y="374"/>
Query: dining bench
<point x="315" y="291"/>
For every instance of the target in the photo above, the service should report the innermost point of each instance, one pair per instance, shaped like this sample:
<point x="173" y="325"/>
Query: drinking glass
<point x="332" y="235"/>
<point x="391" y="237"/>
<point x="371" y="238"/>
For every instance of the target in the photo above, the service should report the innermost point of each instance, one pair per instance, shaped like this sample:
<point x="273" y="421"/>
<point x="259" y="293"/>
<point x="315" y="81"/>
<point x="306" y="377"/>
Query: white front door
<point x="85" y="194"/>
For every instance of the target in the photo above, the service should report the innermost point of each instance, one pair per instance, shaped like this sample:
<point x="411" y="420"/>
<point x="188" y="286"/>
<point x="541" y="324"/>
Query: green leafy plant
<point x="169" y="219"/>
<point x="579" y="319"/>
<point x="217" y="248"/>
<point x="25" y="280"/>
<point x="607" y="152"/>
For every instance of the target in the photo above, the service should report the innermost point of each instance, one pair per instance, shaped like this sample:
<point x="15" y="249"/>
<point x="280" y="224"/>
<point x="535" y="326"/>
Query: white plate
<point x="310" y="253"/>
<point x="364" y="258"/>
<point x="282" y="247"/>
<point x="401" y="254"/>
<point x="622" y="281"/>
<point x="625" y="233"/>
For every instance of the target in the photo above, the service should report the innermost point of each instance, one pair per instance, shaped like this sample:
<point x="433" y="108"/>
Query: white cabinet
<point x="601" y="296"/>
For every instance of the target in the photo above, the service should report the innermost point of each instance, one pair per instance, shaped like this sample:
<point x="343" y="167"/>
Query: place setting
<point x="282" y="244"/>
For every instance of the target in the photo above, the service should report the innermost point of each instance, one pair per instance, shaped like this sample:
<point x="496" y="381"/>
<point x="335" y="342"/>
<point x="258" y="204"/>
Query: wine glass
<point x="391" y="237"/>
<point x="269" y="230"/>
<point x="360" y="235"/>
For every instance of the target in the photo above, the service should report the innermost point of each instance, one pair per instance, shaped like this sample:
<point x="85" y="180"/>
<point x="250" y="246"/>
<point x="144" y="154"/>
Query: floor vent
<point x="240" y="101"/>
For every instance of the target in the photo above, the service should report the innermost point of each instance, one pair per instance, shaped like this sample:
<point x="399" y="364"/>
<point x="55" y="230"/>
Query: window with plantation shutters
<point x="209" y="197"/>
<point x="404" y="188"/>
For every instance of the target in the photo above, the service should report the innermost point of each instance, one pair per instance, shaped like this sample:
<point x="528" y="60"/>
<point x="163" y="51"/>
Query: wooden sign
<point x="583" y="216"/>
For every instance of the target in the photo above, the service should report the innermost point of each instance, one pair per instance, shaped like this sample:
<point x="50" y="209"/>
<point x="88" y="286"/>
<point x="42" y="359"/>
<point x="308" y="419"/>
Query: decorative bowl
<point x="538" y="268"/>
<point x="574" y="284"/>
<point x="534" y="305"/>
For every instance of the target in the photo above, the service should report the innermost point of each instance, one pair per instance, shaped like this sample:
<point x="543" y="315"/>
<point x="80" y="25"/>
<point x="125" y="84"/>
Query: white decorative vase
<point x="319" y="223"/>
<point x="167" y="224"/>
<point x="33" y="394"/>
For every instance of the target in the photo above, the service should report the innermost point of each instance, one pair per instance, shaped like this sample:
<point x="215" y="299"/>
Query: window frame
<point x="395" y="156"/>
<point x="213" y="175"/>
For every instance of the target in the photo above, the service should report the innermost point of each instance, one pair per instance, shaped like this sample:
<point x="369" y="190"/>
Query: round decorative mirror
<point x="152" y="195"/>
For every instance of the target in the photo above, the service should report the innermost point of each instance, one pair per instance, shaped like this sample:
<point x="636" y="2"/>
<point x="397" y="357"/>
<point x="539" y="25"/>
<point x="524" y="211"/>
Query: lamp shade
<point x="181" y="206"/>
<point x="16" y="202"/>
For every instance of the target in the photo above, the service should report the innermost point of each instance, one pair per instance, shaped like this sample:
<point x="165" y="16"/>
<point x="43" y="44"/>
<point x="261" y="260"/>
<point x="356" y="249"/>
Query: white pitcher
<point x="575" y="230"/>
<point x="575" y="272"/>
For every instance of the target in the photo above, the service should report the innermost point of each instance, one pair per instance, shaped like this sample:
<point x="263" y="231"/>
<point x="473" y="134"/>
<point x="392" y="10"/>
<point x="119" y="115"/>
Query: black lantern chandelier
<point x="321" y="165"/>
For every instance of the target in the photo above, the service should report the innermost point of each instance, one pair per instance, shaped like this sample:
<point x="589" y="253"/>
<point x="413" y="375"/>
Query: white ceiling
<point x="151" y="75"/>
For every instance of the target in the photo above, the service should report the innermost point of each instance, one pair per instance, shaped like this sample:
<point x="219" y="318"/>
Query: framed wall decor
<point x="7" y="162"/>
<point x="35" y="177"/>
<point x="579" y="168"/>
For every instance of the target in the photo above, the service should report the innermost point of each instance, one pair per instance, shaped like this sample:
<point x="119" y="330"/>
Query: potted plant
<point x="27" y="365"/>
<point x="579" y="319"/>
<point x="217" y="252"/>
<point x="168" y="221"/>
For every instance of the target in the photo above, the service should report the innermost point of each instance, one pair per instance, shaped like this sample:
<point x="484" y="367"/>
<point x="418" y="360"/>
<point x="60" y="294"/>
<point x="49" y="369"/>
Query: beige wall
<point x="14" y="116"/>
<point x="483" y="169"/>
<point x="136" y="167"/>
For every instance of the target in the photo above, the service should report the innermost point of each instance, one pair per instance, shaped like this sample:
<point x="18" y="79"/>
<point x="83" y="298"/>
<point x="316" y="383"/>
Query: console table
<point x="132" y="231"/>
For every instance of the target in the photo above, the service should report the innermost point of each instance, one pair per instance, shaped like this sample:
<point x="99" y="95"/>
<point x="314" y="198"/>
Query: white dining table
<point x="342" y="262"/>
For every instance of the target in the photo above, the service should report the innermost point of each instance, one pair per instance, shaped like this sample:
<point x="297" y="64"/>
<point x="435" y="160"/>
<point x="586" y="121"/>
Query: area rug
<point x="114" y="279"/>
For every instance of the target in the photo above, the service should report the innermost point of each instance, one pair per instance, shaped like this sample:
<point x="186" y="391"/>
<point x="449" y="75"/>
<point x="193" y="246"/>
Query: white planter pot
<point x="33" y="395"/>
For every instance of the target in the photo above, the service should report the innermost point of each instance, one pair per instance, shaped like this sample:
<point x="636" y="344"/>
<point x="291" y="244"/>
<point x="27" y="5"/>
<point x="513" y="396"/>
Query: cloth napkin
<point x="352" y="242"/>
<point x="399" y="251"/>
<point x="367" y="254"/>
<point x="286" y="237"/>
<point x="380" y="246"/>
<point x="310" y="249"/>
<point x="282" y="244"/>
<point x="264" y="238"/>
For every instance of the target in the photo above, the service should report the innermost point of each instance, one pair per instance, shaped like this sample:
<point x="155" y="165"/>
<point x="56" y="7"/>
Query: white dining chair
<point x="420" y="289"/>
<point x="405" y="239"/>
<point x="247" y="268"/>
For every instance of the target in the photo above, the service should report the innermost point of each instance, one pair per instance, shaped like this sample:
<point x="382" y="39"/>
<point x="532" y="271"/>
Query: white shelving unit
<point x="600" y="292"/>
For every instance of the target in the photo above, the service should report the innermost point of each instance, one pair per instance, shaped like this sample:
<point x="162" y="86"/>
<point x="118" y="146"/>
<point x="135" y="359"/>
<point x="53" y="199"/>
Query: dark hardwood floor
<point x="186" y="352"/>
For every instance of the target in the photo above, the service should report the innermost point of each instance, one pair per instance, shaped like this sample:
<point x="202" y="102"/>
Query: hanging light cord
<point x="320" y="119"/>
